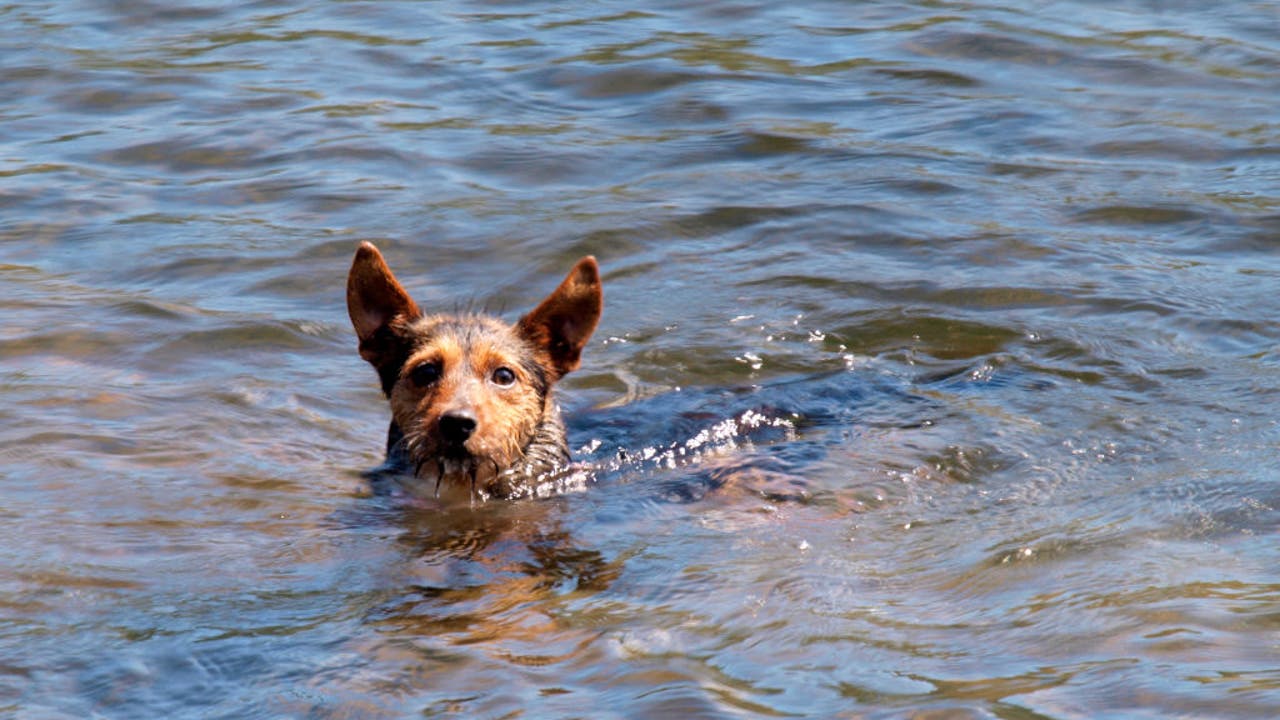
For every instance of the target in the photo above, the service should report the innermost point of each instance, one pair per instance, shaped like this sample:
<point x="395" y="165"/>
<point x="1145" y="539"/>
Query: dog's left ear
<point x="564" y="321"/>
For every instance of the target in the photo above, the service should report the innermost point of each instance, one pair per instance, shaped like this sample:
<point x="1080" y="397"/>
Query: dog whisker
<point x="472" y="492"/>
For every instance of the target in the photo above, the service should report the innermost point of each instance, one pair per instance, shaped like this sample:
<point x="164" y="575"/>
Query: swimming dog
<point x="472" y="406"/>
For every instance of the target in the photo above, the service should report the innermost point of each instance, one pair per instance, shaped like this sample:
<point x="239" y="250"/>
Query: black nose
<point x="456" y="426"/>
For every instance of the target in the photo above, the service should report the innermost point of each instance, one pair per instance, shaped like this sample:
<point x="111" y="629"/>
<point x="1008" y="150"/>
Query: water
<point x="937" y="379"/>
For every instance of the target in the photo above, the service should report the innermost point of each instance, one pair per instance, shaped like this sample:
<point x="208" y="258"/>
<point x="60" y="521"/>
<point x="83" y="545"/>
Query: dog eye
<point x="425" y="374"/>
<point x="504" y="376"/>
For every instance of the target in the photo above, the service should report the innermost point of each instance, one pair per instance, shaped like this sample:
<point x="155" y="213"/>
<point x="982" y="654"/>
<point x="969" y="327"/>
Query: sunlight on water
<point x="719" y="439"/>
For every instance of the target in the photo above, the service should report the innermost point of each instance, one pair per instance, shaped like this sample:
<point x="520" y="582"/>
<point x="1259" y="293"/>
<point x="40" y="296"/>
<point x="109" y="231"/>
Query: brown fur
<point x="472" y="411"/>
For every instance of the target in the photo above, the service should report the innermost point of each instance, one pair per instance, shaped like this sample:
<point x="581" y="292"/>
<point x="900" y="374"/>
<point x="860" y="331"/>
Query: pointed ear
<point x="379" y="309"/>
<point x="564" y="321"/>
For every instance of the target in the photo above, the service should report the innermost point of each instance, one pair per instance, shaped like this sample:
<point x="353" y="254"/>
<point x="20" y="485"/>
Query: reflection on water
<point x="937" y="374"/>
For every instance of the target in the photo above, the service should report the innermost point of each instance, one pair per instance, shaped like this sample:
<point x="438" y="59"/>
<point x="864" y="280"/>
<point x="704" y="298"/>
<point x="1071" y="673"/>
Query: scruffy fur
<point x="472" y="407"/>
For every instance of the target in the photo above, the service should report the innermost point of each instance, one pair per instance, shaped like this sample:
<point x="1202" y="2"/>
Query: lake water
<point x="939" y="373"/>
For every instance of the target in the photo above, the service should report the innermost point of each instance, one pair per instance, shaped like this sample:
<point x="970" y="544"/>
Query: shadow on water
<point x="486" y="561"/>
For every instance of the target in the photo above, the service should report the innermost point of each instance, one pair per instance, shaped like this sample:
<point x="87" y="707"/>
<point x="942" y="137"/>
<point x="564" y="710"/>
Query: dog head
<point x="470" y="393"/>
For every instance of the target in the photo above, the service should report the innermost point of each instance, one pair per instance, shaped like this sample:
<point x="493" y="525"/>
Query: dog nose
<point x="457" y="425"/>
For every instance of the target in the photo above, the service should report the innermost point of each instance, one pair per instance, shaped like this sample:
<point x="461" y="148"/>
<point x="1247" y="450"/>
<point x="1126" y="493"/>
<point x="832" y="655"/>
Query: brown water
<point x="938" y="376"/>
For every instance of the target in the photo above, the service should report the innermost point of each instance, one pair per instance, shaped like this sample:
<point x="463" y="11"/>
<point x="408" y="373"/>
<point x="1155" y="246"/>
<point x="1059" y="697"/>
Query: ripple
<point x="185" y="156"/>
<point x="945" y="78"/>
<point x="937" y="372"/>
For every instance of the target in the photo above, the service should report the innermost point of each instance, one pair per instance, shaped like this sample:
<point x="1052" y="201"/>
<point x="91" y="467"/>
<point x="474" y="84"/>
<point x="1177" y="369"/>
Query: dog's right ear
<point x="381" y="312"/>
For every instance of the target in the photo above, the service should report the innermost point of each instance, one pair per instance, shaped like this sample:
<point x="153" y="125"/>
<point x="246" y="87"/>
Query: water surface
<point x="938" y="374"/>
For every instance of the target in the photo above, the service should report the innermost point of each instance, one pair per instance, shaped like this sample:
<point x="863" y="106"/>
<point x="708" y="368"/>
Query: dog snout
<point x="456" y="426"/>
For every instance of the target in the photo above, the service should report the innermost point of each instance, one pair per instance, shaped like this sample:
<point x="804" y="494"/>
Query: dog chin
<point x="456" y="477"/>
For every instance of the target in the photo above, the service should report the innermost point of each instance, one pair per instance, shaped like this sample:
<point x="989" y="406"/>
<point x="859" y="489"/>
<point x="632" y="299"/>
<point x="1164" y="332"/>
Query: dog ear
<point x="380" y="311"/>
<point x="564" y="321"/>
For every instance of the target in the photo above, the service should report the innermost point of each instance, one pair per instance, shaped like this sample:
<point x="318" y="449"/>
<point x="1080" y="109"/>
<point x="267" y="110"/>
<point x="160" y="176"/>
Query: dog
<point x="473" y="413"/>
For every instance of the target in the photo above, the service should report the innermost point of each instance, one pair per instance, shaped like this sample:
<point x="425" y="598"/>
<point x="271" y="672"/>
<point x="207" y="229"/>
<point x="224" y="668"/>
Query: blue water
<point x="937" y="378"/>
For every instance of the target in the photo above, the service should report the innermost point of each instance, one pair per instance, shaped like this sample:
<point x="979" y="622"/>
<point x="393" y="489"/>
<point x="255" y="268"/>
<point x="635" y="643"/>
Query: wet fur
<point x="518" y="434"/>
